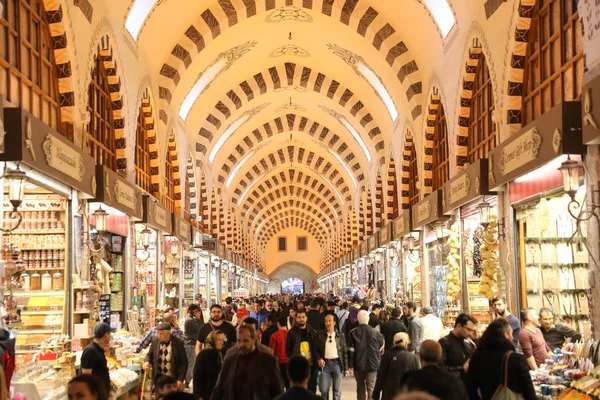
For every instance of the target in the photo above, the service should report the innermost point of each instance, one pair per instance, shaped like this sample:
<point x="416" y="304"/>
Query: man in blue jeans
<point x="332" y="358"/>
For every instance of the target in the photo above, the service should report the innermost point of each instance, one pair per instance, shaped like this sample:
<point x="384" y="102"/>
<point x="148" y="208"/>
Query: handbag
<point x="503" y="392"/>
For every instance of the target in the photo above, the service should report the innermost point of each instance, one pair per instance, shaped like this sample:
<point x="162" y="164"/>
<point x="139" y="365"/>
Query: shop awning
<point x="553" y="134"/>
<point x="30" y="141"/>
<point x="117" y="192"/>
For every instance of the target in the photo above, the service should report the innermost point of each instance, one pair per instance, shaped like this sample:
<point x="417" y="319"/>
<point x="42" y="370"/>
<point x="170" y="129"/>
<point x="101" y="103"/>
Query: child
<point x="165" y="385"/>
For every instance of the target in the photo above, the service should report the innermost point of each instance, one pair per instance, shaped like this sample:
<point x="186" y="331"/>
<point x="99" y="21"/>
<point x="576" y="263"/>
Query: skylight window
<point x="378" y="86"/>
<point x="237" y="168"/>
<point x="206" y="78"/>
<point x="228" y="132"/>
<point x="442" y="13"/>
<point x="137" y="15"/>
<point x="357" y="138"/>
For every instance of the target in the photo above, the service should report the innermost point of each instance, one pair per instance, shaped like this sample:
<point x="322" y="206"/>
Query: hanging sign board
<point x="182" y="229"/>
<point x="32" y="142"/>
<point x="356" y="253"/>
<point x="197" y="237"/>
<point x="402" y="225"/>
<point x="467" y="185"/>
<point x="372" y="243"/>
<point x="115" y="191"/>
<point x="364" y="248"/>
<point x="221" y="253"/>
<point x="553" y="134"/>
<point x="157" y="216"/>
<point x="385" y="234"/>
<point x="590" y="110"/>
<point x="428" y="210"/>
<point x="209" y="245"/>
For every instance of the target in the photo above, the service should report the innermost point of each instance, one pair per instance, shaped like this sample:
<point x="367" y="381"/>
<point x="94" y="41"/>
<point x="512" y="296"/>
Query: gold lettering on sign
<point x="125" y="194"/>
<point x="459" y="188"/>
<point x="160" y="216"/>
<point x="183" y="230"/>
<point x="424" y="211"/>
<point x="63" y="158"/>
<point x="520" y="152"/>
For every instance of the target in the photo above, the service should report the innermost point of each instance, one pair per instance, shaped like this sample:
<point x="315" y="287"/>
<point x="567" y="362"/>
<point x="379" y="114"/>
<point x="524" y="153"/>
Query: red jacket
<point x="277" y="343"/>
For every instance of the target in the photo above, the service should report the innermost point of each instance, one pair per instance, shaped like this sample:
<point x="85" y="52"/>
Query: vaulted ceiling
<point x="282" y="99"/>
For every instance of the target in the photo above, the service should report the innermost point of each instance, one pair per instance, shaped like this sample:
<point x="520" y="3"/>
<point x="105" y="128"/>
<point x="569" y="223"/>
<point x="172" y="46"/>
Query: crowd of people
<point x="287" y="347"/>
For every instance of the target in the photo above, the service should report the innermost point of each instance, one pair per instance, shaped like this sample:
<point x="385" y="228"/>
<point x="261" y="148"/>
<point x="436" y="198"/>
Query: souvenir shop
<point x="542" y="167"/>
<point x="398" y="252"/>
<point x="177" y="261"/>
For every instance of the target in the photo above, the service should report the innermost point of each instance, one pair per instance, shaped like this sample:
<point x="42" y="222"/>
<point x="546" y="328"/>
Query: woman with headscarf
<point x="208" y="365"/>
<point x="352" y="321"/>
<point x="291" y="319"/>
<point x="394" y="364"/>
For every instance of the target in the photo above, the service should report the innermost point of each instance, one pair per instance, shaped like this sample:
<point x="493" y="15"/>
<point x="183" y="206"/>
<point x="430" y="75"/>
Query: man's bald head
<point x="430" y="352"/>
<point x="168" y="318"/>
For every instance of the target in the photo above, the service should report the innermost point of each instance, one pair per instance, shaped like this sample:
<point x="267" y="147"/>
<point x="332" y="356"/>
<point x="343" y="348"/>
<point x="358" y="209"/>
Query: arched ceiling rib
<point x="274" y="203"/>
<point x="273" y="224"/>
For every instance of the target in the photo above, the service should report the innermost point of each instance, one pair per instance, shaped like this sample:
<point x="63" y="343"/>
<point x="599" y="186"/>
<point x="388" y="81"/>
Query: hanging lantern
<point x="100" y="218"/>
<point x="146" y="234"/>
<point x="439" y="230"/>
<point x="174" y="248"/>
<point x="571" y="171"/>
<point x="484" y="213"/>
<point x="16" y="187"/>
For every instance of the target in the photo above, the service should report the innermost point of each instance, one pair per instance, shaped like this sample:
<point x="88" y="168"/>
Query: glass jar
<point x="58" y="283"/>
<point x="36" y="281"/>
<point x="46" y="281"/>
<point x="25" y="281"/>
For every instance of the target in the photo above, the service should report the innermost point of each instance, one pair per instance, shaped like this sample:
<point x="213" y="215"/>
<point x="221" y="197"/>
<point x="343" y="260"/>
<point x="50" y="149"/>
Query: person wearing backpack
<point x="394" y="364"/>
<point x="496" y="366"/>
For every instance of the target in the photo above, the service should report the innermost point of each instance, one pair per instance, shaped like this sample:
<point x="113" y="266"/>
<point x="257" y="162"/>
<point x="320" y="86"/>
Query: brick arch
<point x="369" y="214"/>
<point x="360" y="17"/>
<point x="172" y="153"/>
<point x="286" y="190"/>
<point x="190" y="174"/>
<point x="268" y="229"/>
<point x="392" y="190"/>
<point x="287" y="178"/>
<point x="292" y="123"/>
<point x="432" y="112"/>
<point x="149" y="121"/>
<point x="516" y="71"/>
<point x="406" y="159"/>
<point x="289" y="203"/>
<point x="203" y="204"/>
<point x="275" y="78"/>
<point x="294" y="154"/>
<point x="64" y="69"/>
<point x="379" y="211"/>
<point x="105" y="51"/>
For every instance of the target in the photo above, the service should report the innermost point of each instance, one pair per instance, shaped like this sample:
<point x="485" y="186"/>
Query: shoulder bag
<point x="503" y="392"/>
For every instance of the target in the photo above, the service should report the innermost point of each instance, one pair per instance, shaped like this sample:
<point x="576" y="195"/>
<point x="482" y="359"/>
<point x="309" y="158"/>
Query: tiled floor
<point x="348" y="389"/>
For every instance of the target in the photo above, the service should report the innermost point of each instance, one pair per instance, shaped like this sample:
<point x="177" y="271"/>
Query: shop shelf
<point x="60" y="312"/>
<point x="38" y="331"/>
<point x="171" y="283"/>
<point x="42" y="248"/>
<point x="82" y="312"/>
<point x="39" y="232"/>
<point x="126" y="388"/>
<point x="552" y="239"/>
<point x="38" y="293"/>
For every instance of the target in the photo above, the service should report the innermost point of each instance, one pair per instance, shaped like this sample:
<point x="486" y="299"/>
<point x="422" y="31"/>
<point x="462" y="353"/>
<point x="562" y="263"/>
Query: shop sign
<point x="469" y="184"/>
<point x="372" y="242"/>
<point x="197" y="237"/>
<point x="428" y="210"/>
<point x="356" y="253"/>
<point x="31" y="141"/>
<point x="209" y="245"/>
<point x="402" y="225"/>
<point x="590" y="110"/>
<point x="553" y="134"/>
<point x="228" y="255"/>
<point x="221" y="251"/>
<point x="363" y="249"/>
<point x="182" y="229"/>
<point x="115" y="191"/>
<point x="157" y="216"/>
<point x="240" y="293"/>
<point x="385" y="234"/>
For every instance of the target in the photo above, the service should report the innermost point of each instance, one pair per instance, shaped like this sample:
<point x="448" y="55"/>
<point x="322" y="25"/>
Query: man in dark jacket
<point x="301" y="339"/>
<point x="332" y="358"/>
<point x="249" y="374"/>
<point x="555" y="335"/>
<point x="364" y="355"/>
<point x="374" y="315"/>
<point x="167" y="356"/>
<point x="394" y="364"/>
<point x="298" y="370"/>
<point x="431" y="378"/>
<point x="487" y="366"/>
<point x="316" y="320"/>
<point x="272" y="328"/>
<point x="391" y="327"/>
<point x="456" y="352"/>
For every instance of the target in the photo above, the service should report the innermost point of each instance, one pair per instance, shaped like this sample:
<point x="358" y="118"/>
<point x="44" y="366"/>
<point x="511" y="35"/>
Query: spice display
<point x="489" y="256"/>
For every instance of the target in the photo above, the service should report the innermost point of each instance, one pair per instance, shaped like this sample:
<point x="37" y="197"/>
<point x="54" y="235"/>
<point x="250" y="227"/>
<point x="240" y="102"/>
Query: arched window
<point x="169" y="195"/>
<point x="413" y="177"/>
<point x="101" y="133"/>
<point x="441" y="164"/>
<point x="554" y="62"/>
<point x="142" y="153"/>
<point x="482" y="132"/>
<point x="28" y="73"/>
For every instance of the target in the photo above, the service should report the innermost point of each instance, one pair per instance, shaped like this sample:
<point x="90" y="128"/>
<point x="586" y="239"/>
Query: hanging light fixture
<point x="484" y="209"/>
<point x="145" y="235"/>
<point x="409" y="245"/>
<point x="99" y="243"/>
<point x="16" y="191"/>
<point x="100" y="218"/>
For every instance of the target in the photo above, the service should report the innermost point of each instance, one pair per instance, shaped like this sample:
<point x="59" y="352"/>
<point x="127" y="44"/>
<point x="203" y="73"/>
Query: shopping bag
<point x="503" y="392"/>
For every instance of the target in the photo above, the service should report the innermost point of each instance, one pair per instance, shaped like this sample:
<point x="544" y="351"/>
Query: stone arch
<point x="366" y="21"/>
<point x="172" y="153"/>
<point x="432" y="110"/>
<point x="146" y="108"/>
<point x="292" y="270"/>
<point x="193" y="188"/>
<point x="392" y="190"/>
<point x="105" y="50"/>
<point x="379" y="210"/>
<point x="406" y="160"/>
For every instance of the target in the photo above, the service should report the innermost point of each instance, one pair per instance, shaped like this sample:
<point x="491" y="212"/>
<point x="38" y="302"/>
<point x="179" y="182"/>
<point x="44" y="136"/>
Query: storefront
<point x="43" y="235"/>
<point x="149" y="289"/>
<point x="382" y="262"/>
<point x="400" y="257"/>
<point x="428" y="217"/>
<point x="473" y="243"/>
<point x="552" y="259"/>
<point x="117" y="203"/>
<point x="177" y="261"/>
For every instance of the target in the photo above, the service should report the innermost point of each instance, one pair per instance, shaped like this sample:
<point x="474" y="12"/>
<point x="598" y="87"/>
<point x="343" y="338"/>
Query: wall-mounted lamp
<point x="100" y="220"/>
<point x="440" y="234"/>
<point x="16" y="191"/>
<point x="572" y="171"/>
<point x="145" y="235"/>
<point x="484" y="219"/>
<point x="409" y="245"/>
<point x="379" y="256"/>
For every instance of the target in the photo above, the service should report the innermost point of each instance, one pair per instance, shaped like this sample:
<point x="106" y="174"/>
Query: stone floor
<point x="348" y="388"/>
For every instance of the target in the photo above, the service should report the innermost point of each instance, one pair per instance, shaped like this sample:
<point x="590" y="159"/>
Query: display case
<point x="188" y="281"/>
